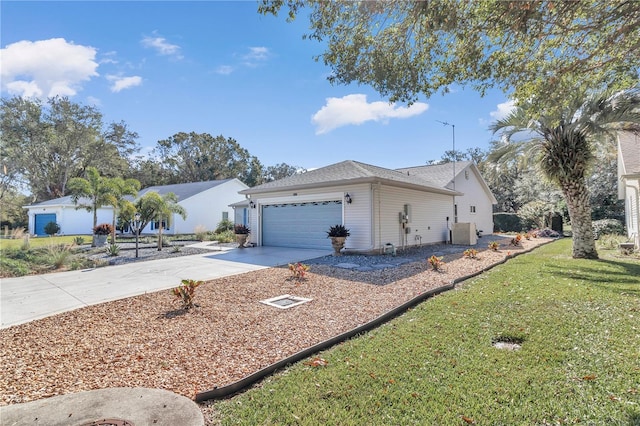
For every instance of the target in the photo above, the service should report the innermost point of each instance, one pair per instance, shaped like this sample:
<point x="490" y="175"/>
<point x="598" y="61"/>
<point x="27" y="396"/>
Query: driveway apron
<point x="33" y="297"/>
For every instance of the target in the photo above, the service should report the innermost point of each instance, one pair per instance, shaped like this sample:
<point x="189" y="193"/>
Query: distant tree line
<point x="46" y="144"/>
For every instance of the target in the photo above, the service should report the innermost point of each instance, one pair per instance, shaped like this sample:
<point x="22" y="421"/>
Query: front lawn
<point x="578" y="322"/>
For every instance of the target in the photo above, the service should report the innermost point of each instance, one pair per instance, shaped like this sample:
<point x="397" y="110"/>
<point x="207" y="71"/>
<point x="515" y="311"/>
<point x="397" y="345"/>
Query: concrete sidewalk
<point x="33" y="297"/>
<point x="137" y="406"/>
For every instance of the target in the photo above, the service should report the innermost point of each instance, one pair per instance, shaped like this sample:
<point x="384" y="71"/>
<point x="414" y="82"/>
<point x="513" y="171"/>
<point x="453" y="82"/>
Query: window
<point x="225" y="215"/>
<point x="472" y="209"/>
<point x="156" y="225"/>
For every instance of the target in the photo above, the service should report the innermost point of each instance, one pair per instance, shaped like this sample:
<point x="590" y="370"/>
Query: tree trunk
<point x="577" y="197"/>
<point x="160" y="234"/>
<point x="95" y="223"/>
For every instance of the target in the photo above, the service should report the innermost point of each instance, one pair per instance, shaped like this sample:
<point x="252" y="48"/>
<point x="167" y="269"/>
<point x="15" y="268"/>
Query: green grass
<point x="579" y="363"/>
<point x="41" y="241"/>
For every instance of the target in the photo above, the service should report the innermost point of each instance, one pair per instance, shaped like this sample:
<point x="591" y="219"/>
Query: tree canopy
<point x="539" y="49"/>
<point x="44" y="145"/>
<point x="563" y="147"/>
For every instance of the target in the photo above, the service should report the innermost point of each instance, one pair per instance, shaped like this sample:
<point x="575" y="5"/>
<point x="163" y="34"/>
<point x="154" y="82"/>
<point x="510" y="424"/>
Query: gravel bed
<point x="148" y="341"/>
<point x="147" y="252"/>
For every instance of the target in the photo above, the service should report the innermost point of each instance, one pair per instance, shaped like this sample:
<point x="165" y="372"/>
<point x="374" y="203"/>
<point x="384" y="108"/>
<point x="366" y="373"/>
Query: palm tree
<point x="118" y="189"/>
<point x="562" y="144"/>
<point x="95" y="188"/>
<point x="154" y="207"/>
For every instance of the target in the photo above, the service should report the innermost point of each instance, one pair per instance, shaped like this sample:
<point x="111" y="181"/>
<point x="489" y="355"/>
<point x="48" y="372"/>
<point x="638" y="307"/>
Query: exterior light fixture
<point x="252" y="204"/>
<point x="348" y="198"/>
<point x="136" y="228"/>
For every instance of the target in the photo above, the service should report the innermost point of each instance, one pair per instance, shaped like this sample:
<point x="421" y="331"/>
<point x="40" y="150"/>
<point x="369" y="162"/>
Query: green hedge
<point x="506" y="222"/>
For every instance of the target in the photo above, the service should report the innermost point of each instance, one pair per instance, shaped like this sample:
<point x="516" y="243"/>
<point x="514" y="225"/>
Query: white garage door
<point x="303" y="225"/>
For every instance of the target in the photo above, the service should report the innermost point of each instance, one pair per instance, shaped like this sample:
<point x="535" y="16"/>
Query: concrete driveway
<point x="32" y="297"/>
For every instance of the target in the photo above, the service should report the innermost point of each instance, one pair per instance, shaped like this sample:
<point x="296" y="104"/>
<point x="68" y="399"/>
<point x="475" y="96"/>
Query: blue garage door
<point x="302" y="225"/>
<point x="41" y="221"/>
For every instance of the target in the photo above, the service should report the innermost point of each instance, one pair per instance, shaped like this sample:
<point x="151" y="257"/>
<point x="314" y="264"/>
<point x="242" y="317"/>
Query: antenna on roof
<point x="453" y="129"/>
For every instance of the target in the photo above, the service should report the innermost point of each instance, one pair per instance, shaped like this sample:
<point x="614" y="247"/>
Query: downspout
<point x="637" y="224"/>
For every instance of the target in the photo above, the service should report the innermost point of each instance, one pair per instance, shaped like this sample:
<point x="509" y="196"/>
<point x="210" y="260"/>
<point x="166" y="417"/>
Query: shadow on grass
<point x="621" y="277"/>
<point x="634" y="418"/>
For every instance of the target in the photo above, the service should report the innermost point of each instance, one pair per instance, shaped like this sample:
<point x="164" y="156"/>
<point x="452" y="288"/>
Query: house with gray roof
<point x="379" y="206"/>
<point x="629" y="182"/>
<point x="206" y="203"/>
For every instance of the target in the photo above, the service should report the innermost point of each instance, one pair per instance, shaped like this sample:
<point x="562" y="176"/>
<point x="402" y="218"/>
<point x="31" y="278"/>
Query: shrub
<point x="113" y="249"/>
<point x="607" y="226"/>
<point x="224" y="225"/>
<point x="201" y="232"/>
<point x="436" y="262"/>
<point x="78" y="241"/>
<point x="51" y="228"/>
<point x="176" y="249"/>
<point x="298" y="270"/>
<point x="516" y="240"/>
<point x="470" y="253"/>
<point x="58" y="254"/>
<point x="241" y="229"/>
<point x="494" y="245"/>
<point x="186" y="292"/>
<point x="338" y="231"/>
<point x="546" y="233"/>
<point x="103" y="229"/>
<point x="610" y="241"/>
<point x="225" y="237"/>
<point x="18" y="233"/>
<point x="506" y="222"/>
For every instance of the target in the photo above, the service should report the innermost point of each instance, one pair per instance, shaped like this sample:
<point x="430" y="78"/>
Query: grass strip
<point x="577" y="322"/>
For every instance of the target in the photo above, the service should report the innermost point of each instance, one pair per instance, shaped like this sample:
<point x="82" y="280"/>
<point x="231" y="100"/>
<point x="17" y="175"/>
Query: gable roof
<point x="629" y="153"/>
<point x="348" y="172"/>
<point x="440" y="174"/>
<point x="182" y="191"/>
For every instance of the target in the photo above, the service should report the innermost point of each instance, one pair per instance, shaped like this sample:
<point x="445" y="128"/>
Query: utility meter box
<point x="464" y="233"/>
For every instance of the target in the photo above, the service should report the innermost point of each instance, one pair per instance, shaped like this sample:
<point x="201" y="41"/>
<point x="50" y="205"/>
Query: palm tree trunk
<point x="577" y="196"/>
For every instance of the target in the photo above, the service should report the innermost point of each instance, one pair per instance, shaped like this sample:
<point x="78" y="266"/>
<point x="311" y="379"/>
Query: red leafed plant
<point x="436" y="262"/>
<point x="186" y="291"/>
<point x="298" y="270"/>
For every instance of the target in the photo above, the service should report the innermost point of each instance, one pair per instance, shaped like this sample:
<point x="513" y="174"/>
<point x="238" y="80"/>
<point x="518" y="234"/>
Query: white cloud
<point x="224" y="69"/>
<point x="121" y="83"/>
<point x="503" y="110"/>
<point x="46" y="68"/>
<point x="256" y="55"/>
<point x="162" y="46"/>
<point x="354" y="109"/>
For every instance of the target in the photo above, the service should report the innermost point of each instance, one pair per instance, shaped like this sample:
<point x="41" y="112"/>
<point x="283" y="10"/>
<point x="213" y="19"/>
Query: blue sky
<point x="221" y="68"/>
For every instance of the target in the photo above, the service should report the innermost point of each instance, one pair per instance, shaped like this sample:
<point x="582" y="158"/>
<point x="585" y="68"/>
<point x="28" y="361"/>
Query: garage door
<point x="303" y="225"/>
<point x="41" y="221"/>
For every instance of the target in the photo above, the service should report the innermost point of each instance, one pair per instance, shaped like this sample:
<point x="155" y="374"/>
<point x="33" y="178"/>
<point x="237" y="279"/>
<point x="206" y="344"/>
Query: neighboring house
<point x="379" y="206"/>
<point x="206" y="203"/>
<point x="629" y="182"/>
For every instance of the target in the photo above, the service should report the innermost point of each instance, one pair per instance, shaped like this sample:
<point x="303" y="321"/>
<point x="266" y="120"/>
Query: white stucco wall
<point x="72" y="221"/>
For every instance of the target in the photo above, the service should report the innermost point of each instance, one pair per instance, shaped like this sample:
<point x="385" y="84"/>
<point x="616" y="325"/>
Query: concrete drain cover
<point x="285" y="301"/>
<point x="510" y="343"/>
<point x="110" y="422"/>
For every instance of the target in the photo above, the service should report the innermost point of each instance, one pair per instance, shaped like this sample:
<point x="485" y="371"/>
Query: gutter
<point x="234" y="388"/>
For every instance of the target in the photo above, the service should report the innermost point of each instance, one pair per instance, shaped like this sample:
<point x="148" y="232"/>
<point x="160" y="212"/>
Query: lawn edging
<point x="242" y="384"/>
